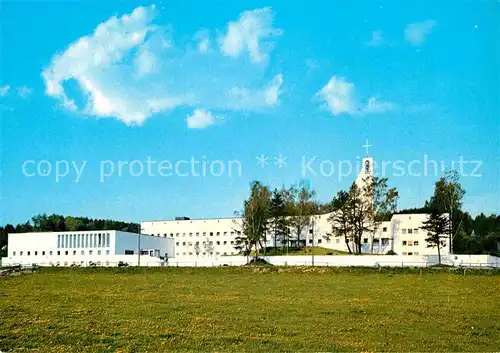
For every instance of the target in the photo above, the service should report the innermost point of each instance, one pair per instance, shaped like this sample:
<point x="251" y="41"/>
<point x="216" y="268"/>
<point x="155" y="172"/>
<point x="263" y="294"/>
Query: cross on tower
<point x="367" y="146"/>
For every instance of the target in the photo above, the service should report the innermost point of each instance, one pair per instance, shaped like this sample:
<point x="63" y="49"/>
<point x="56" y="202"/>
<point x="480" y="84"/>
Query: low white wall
<point x="84" y="261"/>
<point x="342" y="261"/>
<point x="475" y="260"/>
<point x="323" y="260"/>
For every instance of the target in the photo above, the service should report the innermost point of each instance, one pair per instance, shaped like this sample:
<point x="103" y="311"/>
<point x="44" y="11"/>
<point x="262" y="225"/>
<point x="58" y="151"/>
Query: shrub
<point x="391" y="252"/>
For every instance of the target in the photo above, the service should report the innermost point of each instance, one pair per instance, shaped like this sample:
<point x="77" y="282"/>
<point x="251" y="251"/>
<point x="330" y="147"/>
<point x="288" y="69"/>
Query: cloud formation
<point x="338" y="96"/>
<point x="200" y="119"/>
<point x="130" y="68"/>
<point x="4" y="90"/>
<point x="250" y="33"/>
<point x="416" y="33"/>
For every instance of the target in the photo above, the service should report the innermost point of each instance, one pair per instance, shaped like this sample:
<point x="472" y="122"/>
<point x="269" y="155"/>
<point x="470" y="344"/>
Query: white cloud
<point x="146" y="62"/>
<point x="339" y="97"/>
<point x="242" y="98"/>
<point x="200" y="119"/>
<point x="130" y="69"/>
<point x="4" y="90"/>
<point x="250" y="33"/>
<point x="415" y="33"/>
<point x="374" y="106"/>
<point x="377" y="39"/>
<point x="203" y="39"/>
<point x="24" y="91"/>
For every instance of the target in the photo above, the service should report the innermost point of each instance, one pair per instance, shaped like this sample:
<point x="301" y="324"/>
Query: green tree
<point x="447" y="198"/>
<point x="278" y="221"/>
<point x="359" y="214"/>
<point x="383" y="205"/>
<point x="437" y="226"/>
<point x="339" y="219"/>
<point x="255" y="218"/>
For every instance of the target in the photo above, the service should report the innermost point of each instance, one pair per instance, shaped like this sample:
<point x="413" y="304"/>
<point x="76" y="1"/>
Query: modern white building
<point x="87" y="248"/>
<point x="185" y="238"/>
<point x="217" y="237"/>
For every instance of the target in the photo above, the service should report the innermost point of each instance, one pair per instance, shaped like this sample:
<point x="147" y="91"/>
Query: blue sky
<point x="96" y="83"/>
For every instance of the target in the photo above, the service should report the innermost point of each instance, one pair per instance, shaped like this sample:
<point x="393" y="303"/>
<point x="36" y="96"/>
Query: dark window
<point x="384" y="229"/>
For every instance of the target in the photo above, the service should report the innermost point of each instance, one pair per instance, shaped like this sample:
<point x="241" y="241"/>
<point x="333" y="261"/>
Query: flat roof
<point x="190" y="219"/>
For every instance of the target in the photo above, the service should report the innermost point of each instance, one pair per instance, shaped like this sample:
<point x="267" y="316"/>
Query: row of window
<point x="50" y="253"/>
<point x="410" y="242"/>
<point x="409" y="231"/>
<point x="97" y="240"/>
<point x="203" y="234"/>
<point x="376" y="241"/>
<point x="410" y="253"/>
<point x="198" y="243"/>
<point x="204" y="254"/>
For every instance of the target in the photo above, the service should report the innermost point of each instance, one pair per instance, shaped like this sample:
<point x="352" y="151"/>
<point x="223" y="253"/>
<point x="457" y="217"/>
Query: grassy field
<point x="249" y="309"/>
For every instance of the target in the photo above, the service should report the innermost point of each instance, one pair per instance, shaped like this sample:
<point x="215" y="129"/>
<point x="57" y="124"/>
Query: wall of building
<point x="409" y="237"/>
<point x="62" y="247"/>
<point x="81" y="248"/>
<point x="403" y="234"/>
<point x="207" y="237"/>
<point x="154" y="245"/>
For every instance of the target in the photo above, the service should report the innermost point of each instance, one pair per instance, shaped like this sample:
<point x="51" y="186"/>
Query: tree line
<point x="284" y="214"/>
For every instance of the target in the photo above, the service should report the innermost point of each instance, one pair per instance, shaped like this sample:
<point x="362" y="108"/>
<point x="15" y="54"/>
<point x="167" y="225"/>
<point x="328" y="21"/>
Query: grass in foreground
<point x="249" y="309"/>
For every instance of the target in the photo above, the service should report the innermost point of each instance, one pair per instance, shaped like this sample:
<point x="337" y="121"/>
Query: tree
<point x="359" y="214"/>
<point x="301" y="208"/>
<point x="278" y="222"/>
<point x="383" y="205"/>
<point x="448" y="195"/>
<point x="437" y="227"/>
<point x="255" y="218"/>
<point x="339" y="218"/>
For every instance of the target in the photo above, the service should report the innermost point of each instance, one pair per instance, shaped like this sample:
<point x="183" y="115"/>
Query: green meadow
<point x="252" y="309"/>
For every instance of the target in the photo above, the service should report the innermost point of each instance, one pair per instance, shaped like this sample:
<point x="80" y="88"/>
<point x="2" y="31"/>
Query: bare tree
<point x="301" y="207"/>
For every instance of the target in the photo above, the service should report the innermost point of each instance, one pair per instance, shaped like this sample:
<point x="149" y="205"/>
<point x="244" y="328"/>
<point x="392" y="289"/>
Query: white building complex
<point x="184" y="239"/>
<point x="86" y="248"/>
<point x="217" y="237"/>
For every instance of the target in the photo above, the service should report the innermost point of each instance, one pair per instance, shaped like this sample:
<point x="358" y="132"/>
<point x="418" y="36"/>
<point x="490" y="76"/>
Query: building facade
<point x="217" y="237"/>
<point x="85" y="248"/>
